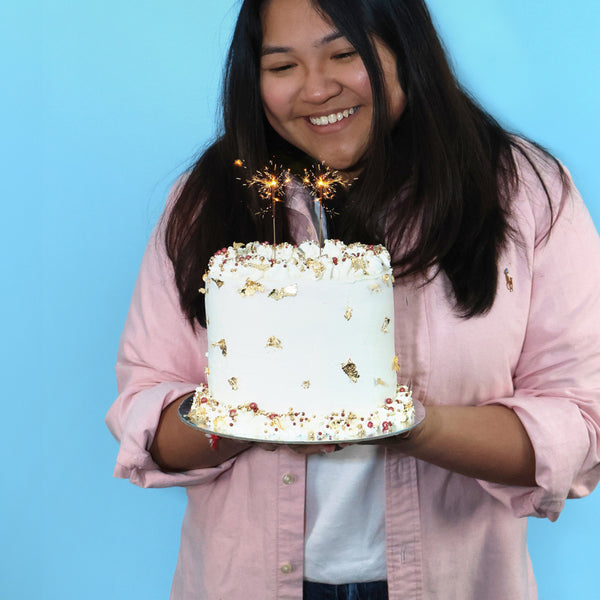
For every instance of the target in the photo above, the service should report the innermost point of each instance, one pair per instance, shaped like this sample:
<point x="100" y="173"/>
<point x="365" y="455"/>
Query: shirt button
<point x="288" y="479"/>
<point x="286" y="568"/>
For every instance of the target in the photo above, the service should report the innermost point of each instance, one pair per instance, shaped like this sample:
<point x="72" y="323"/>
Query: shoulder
<point x="542" y="189"/>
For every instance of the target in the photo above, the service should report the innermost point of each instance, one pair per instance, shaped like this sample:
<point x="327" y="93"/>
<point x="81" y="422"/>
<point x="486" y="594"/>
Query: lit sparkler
<point x="323" y="184"/>
<point x="270" y="184"/>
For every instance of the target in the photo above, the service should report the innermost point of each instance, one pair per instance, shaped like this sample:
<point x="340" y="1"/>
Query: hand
<point x="305" y="449"/>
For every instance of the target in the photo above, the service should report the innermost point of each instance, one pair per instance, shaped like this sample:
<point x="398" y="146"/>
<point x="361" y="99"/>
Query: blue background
<point x="103" y="104"/>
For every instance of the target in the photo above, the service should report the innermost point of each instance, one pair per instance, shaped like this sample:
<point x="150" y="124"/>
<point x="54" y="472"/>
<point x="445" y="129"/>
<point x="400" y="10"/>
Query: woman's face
<point x="315" y="89"/>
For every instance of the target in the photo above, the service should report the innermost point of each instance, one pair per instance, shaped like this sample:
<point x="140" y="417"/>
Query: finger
<point x="267" y="447"/>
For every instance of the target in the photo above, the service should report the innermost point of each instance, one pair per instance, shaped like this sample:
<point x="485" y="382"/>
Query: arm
<point x="547" y="434"/>
<point x="178" y="447"/>
<point x="161" y="359"/>
<point x="484" y="442"/>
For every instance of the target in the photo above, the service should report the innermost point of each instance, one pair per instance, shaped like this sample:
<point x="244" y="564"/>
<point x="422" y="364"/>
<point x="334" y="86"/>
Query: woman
<point x="496" y="294"/>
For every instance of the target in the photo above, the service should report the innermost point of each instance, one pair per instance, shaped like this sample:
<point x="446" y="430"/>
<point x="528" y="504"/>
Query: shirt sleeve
<point x="160" y="359"/>
<point x="557" y="379"/>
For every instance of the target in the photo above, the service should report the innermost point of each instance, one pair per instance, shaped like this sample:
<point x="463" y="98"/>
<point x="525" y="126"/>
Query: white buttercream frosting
<point x="303" y="337"/>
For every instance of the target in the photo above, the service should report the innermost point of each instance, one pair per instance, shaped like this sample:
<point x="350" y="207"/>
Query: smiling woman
<point x="509" y="374"/>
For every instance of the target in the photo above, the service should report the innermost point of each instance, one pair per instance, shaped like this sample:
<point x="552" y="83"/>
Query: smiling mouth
<point x="333" y="117"/>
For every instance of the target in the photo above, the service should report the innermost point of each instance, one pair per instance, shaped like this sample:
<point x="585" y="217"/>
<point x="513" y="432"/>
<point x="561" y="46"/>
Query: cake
<point x="301" y="344"/>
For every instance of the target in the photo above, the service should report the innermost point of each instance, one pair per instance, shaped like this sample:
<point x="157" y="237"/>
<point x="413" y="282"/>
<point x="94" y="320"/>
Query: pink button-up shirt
<point x="447" y="536"/>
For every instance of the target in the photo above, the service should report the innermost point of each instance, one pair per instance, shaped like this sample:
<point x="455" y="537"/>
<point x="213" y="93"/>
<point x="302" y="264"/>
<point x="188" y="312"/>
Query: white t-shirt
<point x="345" y="516"/>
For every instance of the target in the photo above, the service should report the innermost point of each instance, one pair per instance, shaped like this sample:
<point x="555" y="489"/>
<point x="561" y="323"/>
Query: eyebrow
<point x="334" y="35"/>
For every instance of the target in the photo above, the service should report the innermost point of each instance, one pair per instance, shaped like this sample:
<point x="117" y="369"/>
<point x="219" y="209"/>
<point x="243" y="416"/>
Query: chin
<point x="349" y="165"/>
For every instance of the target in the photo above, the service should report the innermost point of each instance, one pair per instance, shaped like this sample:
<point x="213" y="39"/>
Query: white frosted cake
<point x="301" y="344"/>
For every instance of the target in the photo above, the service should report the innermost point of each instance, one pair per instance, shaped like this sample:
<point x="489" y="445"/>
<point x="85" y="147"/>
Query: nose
<point x="319" y="85"/>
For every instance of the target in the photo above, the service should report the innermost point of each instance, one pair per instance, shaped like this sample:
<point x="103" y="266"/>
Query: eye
<point x="280" y="68"/>
<point x="345" y="55"/>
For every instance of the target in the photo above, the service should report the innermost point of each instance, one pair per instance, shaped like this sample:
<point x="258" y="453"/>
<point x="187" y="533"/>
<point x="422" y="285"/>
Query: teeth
<point x="333" y="117"/>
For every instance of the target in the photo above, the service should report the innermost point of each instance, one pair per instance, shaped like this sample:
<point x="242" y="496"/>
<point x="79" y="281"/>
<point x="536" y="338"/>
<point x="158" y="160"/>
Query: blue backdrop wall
<point x="103" y="104"/>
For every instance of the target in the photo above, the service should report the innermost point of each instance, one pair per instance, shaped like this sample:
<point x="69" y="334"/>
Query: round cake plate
<point x="186" y="405"/>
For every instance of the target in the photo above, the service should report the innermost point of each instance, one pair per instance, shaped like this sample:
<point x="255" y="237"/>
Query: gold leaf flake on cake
<point x="202" y="290"/>
<point x="233" y="382"/>
<point x="359" y="263"/>
<point x="251" y="287"/>
<point x="348" y="313"/>
<point x="218" y="282"/>
<point x="306" y="384"/>
<point x="222" y="345"/>
<point x="274" y="342"/>
<point x="317" y="267"/>
<point x="386" y="278"/>
<point x="207" y="370"/>
<point x="350" y="369"/>
<point x="237" y="245"/>
<point x="396" y="364"/>
<point x="379" y="381"/>
<point x="260" y="266"/>
<point x="384" y="327"/>
<point x="284" y="292"/>
<point x="376" y="288"/>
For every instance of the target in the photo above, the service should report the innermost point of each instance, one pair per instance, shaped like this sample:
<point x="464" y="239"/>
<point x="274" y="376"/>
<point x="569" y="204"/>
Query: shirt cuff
<point x="560" y="440"/>
<point x="140" y="414"/>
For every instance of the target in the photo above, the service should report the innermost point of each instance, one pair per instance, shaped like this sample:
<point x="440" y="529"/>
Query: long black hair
<point x="434" y="187"/>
